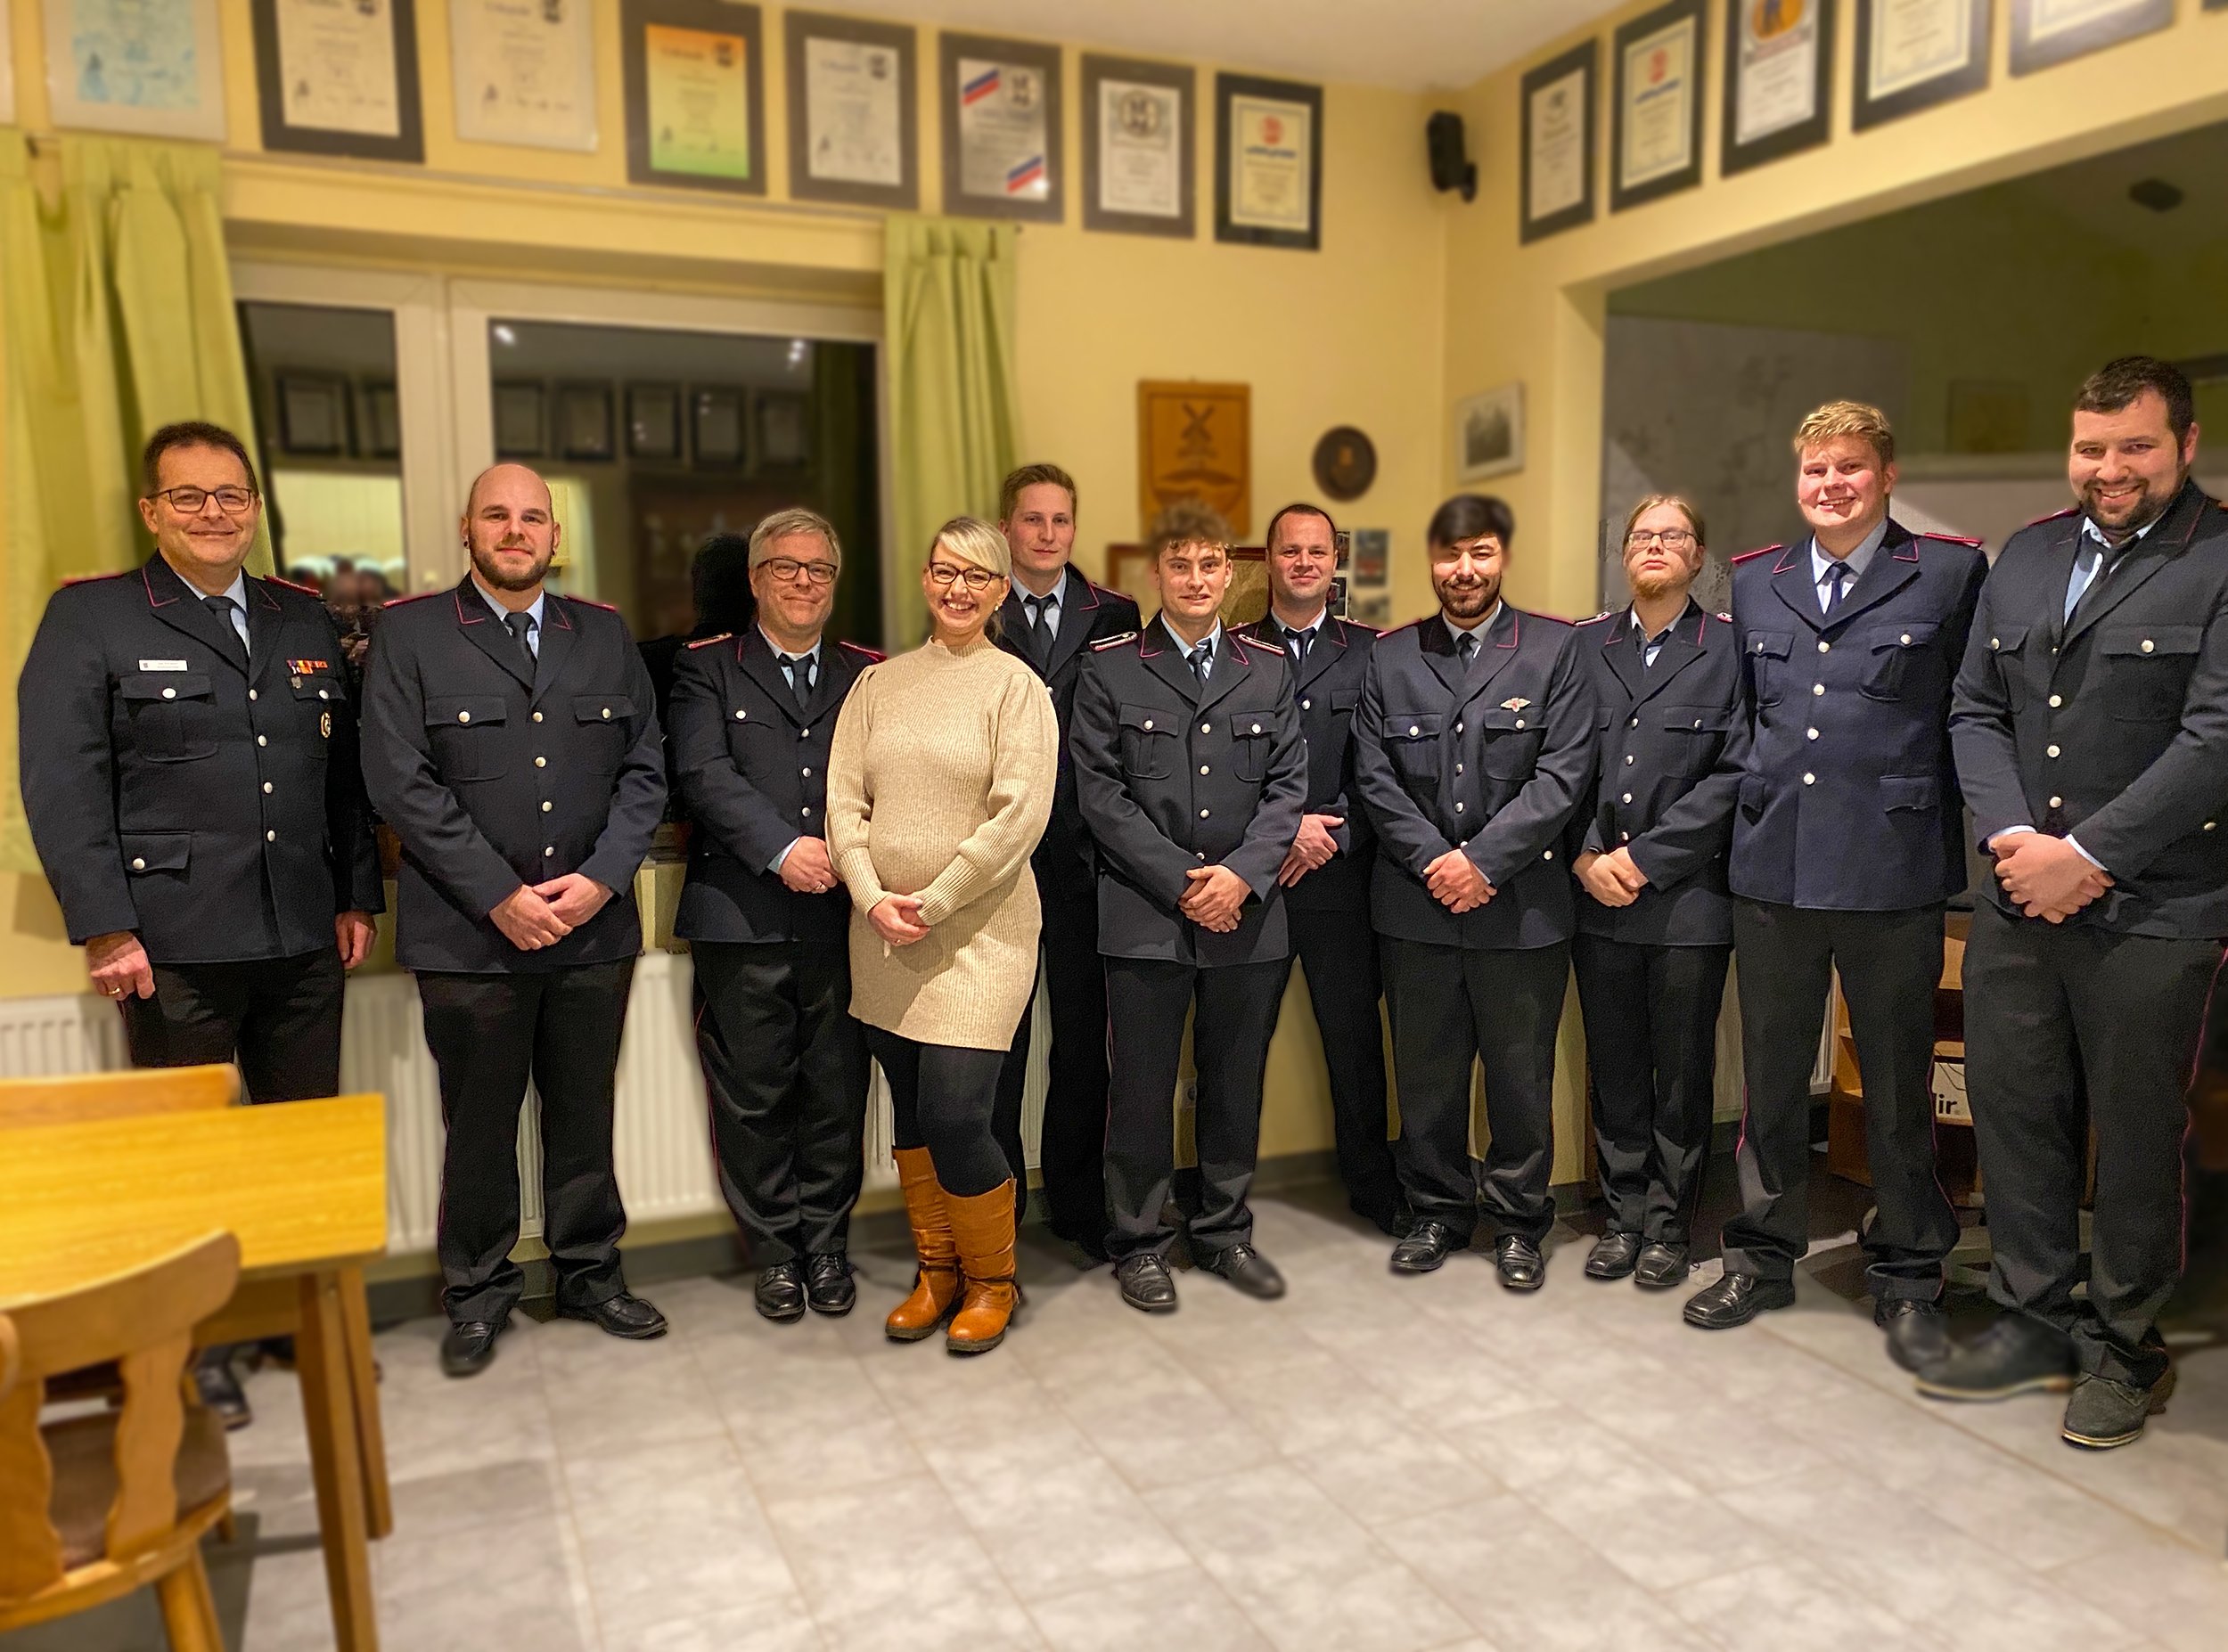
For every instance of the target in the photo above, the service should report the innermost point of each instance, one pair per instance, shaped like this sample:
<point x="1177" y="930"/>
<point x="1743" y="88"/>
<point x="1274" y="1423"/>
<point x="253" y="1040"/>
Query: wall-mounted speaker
<point x="1451" y="164"/>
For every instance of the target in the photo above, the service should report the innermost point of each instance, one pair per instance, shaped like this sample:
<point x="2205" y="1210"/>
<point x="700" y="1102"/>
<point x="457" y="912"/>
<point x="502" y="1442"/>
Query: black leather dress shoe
<point x="1613" y="1256"/>
<point x="1428" y="1245"/>
<point x="1662" y="1266"/>
<point x="828" y="1287"/>
<point x="469" y="1348"/>
<point x="780" y="1293"/>
<point x="1918" y="1332"/>
<point x="1247" y="1269"/>
<point x="1736" y="1299"/>
<point x="220" y="1388"/>
<point x="1521" y="1266"/>
<point x="1145" y="1283"/>
<point x="624" y="1315"/>
<point x="2015" y="1355"/>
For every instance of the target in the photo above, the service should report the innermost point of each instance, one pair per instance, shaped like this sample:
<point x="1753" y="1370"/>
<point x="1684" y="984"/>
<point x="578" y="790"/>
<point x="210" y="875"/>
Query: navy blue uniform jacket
<point x="1328" y="686"/>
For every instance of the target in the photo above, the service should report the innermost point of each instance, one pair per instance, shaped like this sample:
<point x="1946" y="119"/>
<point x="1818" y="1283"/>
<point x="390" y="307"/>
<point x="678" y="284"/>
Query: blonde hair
<point x="782" y="524"/>
<point x="1677" y="502"/>
<point x="1835" y="419"/>
<point x="973" y="540"/>
<point x="1187" y="522"/>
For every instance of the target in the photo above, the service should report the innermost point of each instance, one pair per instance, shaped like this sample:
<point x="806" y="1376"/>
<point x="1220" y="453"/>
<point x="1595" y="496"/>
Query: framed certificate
<point x="7" y="67"/>
<point x="524" y="73"/>
<point x="853" y="112"/>
<point x="126" y="65"/>
<point x="1268" y="162"/>
<point x="1138" y="170"/>
<point x="695" y="94"/>
<point x="1912" y="55"/>
<point x="2050" y="31"/>
<point x="338" y="78"/>
<point x="1002" y="128"/>
<point x="1559" y="125"/>
<point x="1657" y="139"/>
<point x="1779" y="80"/>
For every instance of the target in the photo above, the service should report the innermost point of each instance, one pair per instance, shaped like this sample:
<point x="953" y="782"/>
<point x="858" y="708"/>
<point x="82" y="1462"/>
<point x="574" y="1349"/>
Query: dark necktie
<point x="1299" y="639"/>
<point x="1467" y="648"/>
<point x="224" y="607"/>
<point x="1839" y="574"/>
<point x="521" y="629"/>
<point x="800" y="669"/>
<point x="1202" y="657"/>
<point x="1043" y="613"/>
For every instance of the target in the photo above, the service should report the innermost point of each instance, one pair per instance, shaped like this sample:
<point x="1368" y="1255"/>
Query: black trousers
<point x="1891" y="963"/>
<point x="2068" y="1028"/>
<point x="942" y="1098"/>
<point x="1452" y="1005"/>
<point x="1233" y="1010"/>
<point x="785" y="1074"/>
<point x="279" y="1017"/>
<point x="1343" y="987"/>
<point x="489" y="1033"/>
<point x="1071" y="1151"/>
<point x="1651" y="1041"/>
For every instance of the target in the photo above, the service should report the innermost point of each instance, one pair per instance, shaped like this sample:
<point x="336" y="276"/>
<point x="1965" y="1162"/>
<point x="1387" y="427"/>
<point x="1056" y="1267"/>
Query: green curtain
<point x="948" y="301"/>
<point x="116" y="317"/>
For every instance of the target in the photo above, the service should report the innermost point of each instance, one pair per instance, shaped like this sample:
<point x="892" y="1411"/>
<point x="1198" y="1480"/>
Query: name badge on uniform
<point x="162" y="665"/>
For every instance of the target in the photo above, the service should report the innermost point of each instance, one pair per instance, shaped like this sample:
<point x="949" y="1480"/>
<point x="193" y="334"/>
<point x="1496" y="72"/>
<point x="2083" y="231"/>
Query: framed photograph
<point x="338" y="79"/>
<point x="313" y="411"/>
<point x="717" y="441"/>
<point x="1002" y="128"/>
<point x="854" y="120"/>
<point x="1657" y="139"/>
<point x="1370" y="565"/>
<point x="1490" y="434"/>
<point x="1912" y="55"/>
<point x="1779" y="80"/>
<point x="524" y="73"/>
<point x="695" y="94"/>
<point x="1138" y="170"/>
<point x="126" y="65"/>
<point x="518" y="428"/>
<point x="784" y="432"/>
<point x="382" y="421"/>
<point x="653" y="421"/>
<point x="1195" y="441"/>
<point x="584" y="421"/>
<point x="1344" y="462"/>
<point x="2050" y="31"/>
<point x="1558" y="126"/>
<point x="1268" y="162"/>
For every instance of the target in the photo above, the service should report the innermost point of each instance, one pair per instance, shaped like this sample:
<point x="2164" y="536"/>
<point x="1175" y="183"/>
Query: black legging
<point x="942" y="1096"/>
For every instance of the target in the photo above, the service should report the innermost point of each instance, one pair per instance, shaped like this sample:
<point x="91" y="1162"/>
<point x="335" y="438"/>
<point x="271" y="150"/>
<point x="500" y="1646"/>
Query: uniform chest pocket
<point x="467" y="733"/>
<point x="1692" y="737"/>
<point x="1251" y="734"/>
<point x="172" y="714"/>
<point x="1508" y="744"/>
<point x="1904" y="663"/>
<point x="321" y="701"/>
<point x="1768" y="652"/>
<point x="1149" y="739"/>
<point x="1412" y="739"/>
<point x="2007" y="654"/>
<point x="2147" y="670"/>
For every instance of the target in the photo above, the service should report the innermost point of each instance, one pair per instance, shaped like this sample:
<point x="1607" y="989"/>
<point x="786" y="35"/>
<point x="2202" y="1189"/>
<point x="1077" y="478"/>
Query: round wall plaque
<point x="1346" y="462"/>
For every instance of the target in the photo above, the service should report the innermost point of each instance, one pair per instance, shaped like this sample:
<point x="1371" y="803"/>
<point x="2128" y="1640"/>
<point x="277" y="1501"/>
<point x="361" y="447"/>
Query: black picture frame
<point x="797" y="27"/>
<point x="2028" y="55"/>
<point x="1696" y="13"/>
<point x="1733" y="156"/>
<point x="521" y="418"/>
<point x="721" y="17"/>
<point x="1866" y="111"/>
<point x="583" y="425"/>
<point x="408" y="145"/>
<point x="782" y="432"/>
<point x="1098" y="67"/>
<point x="382" y="419"/>
<point x="1585" y="58"/>
<point x="718" y="439"/>
<point x="1045" y="59"/>
<point x="313" y="414"/>
<point x="1228" y="89"/>
<point x="653" y="421"/>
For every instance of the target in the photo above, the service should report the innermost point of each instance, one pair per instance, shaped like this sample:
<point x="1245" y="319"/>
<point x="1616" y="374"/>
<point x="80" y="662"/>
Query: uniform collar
<point x="779" y="653"/>
<point x="533" y="610"/>
<point x="1858" y="560"/>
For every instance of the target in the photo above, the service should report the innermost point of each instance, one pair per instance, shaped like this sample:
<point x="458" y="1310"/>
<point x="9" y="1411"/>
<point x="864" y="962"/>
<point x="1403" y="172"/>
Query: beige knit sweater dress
<point x="939" y="784"/>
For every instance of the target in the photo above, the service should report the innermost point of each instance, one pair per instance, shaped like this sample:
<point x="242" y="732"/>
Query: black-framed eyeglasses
<point x="192" y="501"/>
<point x="788" y="570"/>
<point x="1669" y="538"/>
<point x="975" y="579"/>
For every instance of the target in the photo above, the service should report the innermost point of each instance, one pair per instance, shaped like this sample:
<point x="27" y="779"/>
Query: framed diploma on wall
<point x="1656" y="140"/>
<point x="1138" y="169"/>
<point x="854" y="115"/>
<point x="2050" y="31"/>
<point x="1779" y="80"/>
<point x="339" y="77"/>
<point x="1003" y="137"/>
<point x="524" y="73"/>
<point x="125" y="66"/>
<point x="1268" y="162"/>
<point x="695" y="94"/>
<point x="1912" y="55"/>
<point x="1558" y="123"/>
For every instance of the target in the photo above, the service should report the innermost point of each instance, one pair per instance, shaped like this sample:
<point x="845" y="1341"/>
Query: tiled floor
<point x="1374" y="1464"/>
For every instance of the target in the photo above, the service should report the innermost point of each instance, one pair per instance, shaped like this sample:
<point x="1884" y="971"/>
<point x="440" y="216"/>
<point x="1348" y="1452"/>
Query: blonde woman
<point x="939" y="785"/>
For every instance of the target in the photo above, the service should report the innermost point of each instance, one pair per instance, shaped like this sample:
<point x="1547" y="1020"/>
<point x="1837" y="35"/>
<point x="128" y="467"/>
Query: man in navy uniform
<point x="1326" y="873"/>
<point x="1472" y="746"/>
<point x="1050" y="617"/>
<point x="1193" y="775"/>
<point x="1846" y="842"/>
<point x="190" y="775"/>
<point x="2090" y="724"/>
<point x="767" y="921"/>
<point x="509" y="740"/>
<point x="1655" y="921"/>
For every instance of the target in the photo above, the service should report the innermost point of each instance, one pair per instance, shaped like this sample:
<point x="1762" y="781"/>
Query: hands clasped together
<point x="538" y="915"/>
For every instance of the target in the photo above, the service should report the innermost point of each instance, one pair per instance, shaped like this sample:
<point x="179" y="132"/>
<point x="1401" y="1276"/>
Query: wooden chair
<point x="92" y="1507"/>
<point x="84" y="1096"/>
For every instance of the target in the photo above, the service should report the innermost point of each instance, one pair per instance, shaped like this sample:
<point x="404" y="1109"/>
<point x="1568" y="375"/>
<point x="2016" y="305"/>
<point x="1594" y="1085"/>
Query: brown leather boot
<point x="983" y="1228"/>
<point x="935" y="1283"/>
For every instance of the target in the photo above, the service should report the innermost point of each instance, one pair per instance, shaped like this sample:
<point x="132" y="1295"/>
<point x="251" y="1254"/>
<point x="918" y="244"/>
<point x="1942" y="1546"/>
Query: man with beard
<point x="1472" y="746"/>
<point x="2090" y="725"/>
<point x="509" y="740"/>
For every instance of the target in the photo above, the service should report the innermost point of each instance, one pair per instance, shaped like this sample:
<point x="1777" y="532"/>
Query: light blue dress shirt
<point x="533" y="611"/>
<point x="1856" y="561"/>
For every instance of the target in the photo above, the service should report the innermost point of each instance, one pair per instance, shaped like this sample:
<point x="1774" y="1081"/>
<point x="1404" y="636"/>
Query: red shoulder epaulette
<point x="87" y="579"/>
<point x="1115" y="641"/>
<point x="1726" y="617"/>
<point x="308" y="590"/>
<point x="2055" y="515"/>
<point x="414" y="596"/>
<point x="1954" y="539"/>
<point x="1750" y="556"/>
<point x="609" y="608"/>
<point x="875" y="656"/>
<point x="707" y="641"/>
<point x="1604" y="614"/>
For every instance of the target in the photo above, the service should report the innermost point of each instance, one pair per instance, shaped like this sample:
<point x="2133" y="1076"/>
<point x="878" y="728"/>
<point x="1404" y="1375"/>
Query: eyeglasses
<point x="1670" y="539"/>
<point x="975" y="579"/>
<point x="192" y="501"/>
<point x="788" y="570"/>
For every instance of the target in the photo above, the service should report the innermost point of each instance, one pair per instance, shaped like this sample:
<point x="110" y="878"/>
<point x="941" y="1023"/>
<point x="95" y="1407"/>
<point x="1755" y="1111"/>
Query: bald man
<point x="511" y="740"/>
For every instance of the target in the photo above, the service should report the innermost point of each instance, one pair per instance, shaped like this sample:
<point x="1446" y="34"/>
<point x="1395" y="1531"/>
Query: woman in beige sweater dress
<point x="939" y="784"/>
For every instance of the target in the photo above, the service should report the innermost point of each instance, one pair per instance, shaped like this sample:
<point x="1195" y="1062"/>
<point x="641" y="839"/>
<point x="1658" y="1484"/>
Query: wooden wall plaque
<point x="1195" y="441"/>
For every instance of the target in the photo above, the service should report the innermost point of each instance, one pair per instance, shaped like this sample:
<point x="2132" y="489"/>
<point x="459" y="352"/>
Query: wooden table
<point x="303" y="1186"/>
